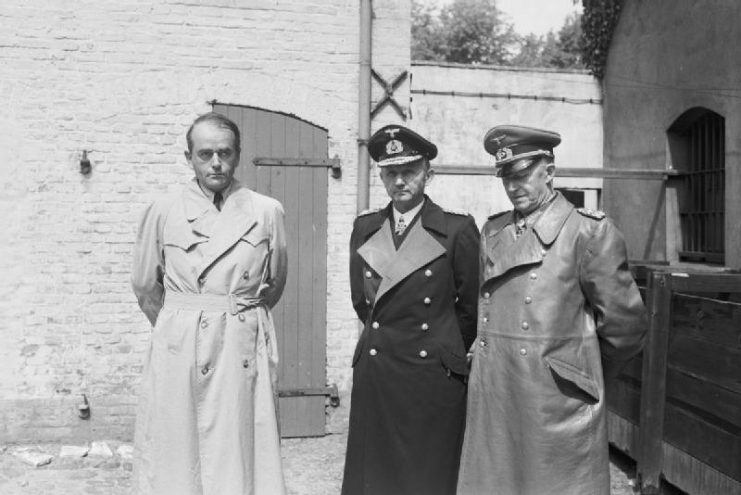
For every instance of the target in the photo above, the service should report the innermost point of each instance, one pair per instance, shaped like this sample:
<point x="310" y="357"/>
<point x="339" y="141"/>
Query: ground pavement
<point x="313" y="466"/>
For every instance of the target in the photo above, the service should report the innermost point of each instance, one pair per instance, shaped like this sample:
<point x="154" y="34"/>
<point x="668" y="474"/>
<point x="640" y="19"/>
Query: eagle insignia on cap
<point x="503" y="154"/>
<point x="394" y="147"/>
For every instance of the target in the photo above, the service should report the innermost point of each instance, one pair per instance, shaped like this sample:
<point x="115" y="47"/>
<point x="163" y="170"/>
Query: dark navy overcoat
<point x="418" y="305"/>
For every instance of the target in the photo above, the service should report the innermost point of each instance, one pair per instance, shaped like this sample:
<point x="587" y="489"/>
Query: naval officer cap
<point x="397" y="145"/>
<point x="513" y="144"/>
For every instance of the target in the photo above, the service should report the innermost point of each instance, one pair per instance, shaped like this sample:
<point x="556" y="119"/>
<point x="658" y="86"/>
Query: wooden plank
<point x="706" y="282"/>
<point x="706" y="361"/>
<point x="654" y="382"/>
<point x="718" y="447"/>
<point x="718" y="404"/>
<point x="624" y="399"/>
<point x="695" y="477"/>
<point x="318" y="344"/>
<point x="622" y="433"/>
<point x="706" y="319"/>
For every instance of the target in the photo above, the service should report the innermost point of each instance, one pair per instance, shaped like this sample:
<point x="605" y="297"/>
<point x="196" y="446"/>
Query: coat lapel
<point x="236" y="218"/>
<point x="505" y="252"/>
<point x="418" y="249"/>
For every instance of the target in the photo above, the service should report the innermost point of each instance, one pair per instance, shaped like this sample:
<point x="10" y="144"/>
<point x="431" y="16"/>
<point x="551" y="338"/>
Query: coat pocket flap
<point x="255" y="236"/>
<point x="184" y="239"/>
<point x="574" y="375"/>
<point x="455" y="363"/>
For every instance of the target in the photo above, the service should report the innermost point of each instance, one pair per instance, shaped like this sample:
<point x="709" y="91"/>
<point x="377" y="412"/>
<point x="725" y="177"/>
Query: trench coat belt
<point x="230" y="303"/>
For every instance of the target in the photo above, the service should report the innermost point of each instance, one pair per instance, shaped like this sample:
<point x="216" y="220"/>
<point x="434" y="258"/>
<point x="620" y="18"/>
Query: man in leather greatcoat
<point x="414" y="278"/>
<point x="558" y="312"/>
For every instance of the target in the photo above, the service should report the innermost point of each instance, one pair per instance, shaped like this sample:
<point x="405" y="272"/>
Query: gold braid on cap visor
<point x="399" y="160"/>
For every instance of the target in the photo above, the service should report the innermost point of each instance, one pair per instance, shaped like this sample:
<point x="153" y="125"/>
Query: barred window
<point x="702" y="174"/>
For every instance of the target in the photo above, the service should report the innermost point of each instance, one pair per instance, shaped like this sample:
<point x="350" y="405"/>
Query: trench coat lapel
<point x="506" y="252"/>
<point x="418" y="249"/>
<point x="223" y="229"/>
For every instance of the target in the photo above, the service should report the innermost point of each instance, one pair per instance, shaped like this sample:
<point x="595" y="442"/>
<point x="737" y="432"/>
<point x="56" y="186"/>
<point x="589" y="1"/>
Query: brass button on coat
<point x="533" y="276"/>
<point x="373" y="352"/>
<point x="375" y="325"/>
<point x="428" y="273"/>
<point x="204" y="370"/>
<point x="241" y="317"/>
<point x="427" y="301"/>
<point x="523" y="351"/>
<point x="528" y="299"/>
<point x="425" y="326"/>
<point x="525" y="325"/>
<point x="204" y="324"/>
<point x="486" y="295"/>
<point x="368" y="274"/>
<point x="423" y="354"/>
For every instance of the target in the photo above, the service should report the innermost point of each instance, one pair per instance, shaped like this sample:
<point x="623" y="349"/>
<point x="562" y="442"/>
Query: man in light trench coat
<point x="558" y="313"/>
<point x="209" y="263"/>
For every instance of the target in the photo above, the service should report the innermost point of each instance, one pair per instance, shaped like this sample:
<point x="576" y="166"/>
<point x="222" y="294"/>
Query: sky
<point x="533" y="16"/>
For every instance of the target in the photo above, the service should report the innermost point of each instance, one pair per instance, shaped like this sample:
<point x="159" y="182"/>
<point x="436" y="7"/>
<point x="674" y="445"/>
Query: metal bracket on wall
<point x="331" y="392"/>
<point x="333" y="163"/>
<point x="388" y="98"/>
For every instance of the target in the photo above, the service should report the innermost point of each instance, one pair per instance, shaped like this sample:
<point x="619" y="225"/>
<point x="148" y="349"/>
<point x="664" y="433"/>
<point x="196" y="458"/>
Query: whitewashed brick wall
<point x="124" y="79"/>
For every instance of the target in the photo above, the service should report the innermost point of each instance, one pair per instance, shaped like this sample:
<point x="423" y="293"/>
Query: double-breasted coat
<point x="558" y="309"/>
<point x="206" y="279"/>
<point x="418" y="306"/>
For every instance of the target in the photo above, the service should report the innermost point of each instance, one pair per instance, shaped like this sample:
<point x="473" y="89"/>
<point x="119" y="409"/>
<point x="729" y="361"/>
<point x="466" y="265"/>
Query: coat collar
<point x="418" y="249"/>
<point x="225" y="228"/>
<point x="506" y="252"/>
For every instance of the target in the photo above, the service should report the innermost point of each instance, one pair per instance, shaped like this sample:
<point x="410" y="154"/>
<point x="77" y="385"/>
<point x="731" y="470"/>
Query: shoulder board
<point x="369" y="211"/>
<point x="455" y="212"/>
<point x="496" y="215"/>
<point x="596" y="214"/>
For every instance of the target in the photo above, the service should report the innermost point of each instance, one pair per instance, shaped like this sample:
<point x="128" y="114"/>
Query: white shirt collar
<point x="210" y="194"/>
<point x="408" y="216"/>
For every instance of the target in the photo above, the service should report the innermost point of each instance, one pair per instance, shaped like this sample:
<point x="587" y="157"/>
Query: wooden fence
<point x="676" y="408"/>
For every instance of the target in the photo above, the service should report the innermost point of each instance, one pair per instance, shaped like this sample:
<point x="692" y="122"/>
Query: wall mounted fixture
<point x="83" y="408"/>
<point x="85" y="166"/>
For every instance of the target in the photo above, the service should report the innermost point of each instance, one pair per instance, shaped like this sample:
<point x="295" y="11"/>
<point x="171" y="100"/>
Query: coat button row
<point x="374" y="352"/>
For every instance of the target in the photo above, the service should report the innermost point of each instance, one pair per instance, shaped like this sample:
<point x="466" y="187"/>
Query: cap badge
<point x="394" y="147"/>
<point x="503" y="154"/>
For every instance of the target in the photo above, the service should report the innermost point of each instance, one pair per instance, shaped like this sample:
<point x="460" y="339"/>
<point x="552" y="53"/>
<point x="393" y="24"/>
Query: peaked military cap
<point x="397" y="145"/>
<point x="511" y="143"/>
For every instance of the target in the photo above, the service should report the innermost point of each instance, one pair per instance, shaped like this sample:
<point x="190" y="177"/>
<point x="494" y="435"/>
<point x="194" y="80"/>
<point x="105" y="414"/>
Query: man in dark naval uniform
<point x="414" y="278"/>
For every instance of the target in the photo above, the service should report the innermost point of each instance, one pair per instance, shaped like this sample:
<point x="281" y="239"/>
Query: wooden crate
<point x="676" y="408"/>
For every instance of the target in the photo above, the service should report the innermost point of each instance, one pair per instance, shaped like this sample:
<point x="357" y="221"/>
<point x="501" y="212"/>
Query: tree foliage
<point x="598" y="24"/>
<point x="464" y="31"/>
<point x="476" y="32"/>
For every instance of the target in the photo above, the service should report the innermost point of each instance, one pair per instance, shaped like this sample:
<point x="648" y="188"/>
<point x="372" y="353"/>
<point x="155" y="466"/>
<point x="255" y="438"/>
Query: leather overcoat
<point x="418" y="306"/>
<point x="558" y="311"/>
<point x="206" y="280"/>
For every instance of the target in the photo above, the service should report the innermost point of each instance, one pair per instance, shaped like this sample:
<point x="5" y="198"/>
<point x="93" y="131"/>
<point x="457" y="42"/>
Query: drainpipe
<point x="364" y="104"/>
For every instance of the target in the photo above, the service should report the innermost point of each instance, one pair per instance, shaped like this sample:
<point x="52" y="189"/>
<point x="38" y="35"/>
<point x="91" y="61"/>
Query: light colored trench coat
<point x="558" y="308"/>
<point x="206" y="279"/>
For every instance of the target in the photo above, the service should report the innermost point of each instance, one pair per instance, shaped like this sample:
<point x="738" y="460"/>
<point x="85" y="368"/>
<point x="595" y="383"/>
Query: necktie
<point x="400" y="226"/>
<point x="217" y="200"/>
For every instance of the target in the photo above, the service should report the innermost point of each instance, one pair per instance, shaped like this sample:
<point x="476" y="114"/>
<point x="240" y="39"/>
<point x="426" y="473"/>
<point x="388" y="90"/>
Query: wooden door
<point x="300" y="315"/>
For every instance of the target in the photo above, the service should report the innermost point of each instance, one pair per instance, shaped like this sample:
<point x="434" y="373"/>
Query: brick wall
<point x="123" y="80"/>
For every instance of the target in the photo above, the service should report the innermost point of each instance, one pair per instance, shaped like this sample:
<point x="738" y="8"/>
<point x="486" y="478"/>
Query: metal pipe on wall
<point x="364" y="104"/>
